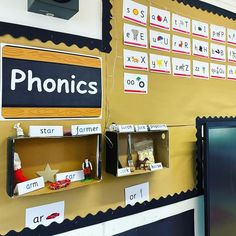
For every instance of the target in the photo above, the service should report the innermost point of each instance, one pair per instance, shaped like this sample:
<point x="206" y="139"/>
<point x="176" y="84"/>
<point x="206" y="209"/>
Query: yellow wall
<point x="174" y="101"/>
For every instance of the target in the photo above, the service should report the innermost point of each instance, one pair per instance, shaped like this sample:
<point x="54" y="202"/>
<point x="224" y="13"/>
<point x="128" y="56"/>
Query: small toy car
<point x="59" y="184"/>
<point x="52" y="216"/>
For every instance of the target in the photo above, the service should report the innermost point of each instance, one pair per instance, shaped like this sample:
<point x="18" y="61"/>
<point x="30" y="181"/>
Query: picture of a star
<point x="47" y="174"/>
<point x="159" y="63"/>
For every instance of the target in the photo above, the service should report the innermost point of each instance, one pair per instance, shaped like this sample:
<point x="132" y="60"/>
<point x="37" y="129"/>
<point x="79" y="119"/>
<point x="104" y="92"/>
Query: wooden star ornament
<point x="47" y="174"/>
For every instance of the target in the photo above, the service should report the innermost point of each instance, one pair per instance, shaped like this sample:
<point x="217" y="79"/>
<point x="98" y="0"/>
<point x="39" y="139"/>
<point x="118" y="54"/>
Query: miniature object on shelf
<point x="18" y="174"/>
<point x="145" y="154"/>
<point x="87" y="169"/>
<point x="19" y="130"/>
<point x="47" y="174"/>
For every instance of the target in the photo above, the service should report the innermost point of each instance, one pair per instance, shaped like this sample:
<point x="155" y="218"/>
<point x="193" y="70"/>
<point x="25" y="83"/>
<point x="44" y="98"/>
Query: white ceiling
<point x="229" y="5"/>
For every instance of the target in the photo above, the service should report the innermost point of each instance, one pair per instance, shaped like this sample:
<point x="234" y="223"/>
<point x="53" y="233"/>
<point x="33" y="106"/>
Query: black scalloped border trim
<point x="209" y="8"/>
<point x="100" y="217"/>
<point x="32" y="33"/>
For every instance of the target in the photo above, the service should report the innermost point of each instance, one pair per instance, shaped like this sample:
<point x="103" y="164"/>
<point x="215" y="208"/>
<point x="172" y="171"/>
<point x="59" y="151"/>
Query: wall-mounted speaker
<point x="64" y="9"/>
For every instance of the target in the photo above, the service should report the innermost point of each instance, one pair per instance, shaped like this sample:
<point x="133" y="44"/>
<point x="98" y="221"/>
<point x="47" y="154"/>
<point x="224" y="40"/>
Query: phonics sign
<point x="40" y="83"/>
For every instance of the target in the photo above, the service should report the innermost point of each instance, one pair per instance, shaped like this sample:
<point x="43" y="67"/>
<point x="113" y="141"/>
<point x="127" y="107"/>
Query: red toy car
<point x="59" y="184"/>
<point x="52" y="216"/>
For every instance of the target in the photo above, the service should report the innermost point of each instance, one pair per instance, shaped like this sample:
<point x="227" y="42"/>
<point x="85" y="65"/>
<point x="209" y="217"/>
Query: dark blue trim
<point x="100" y="217"/>
<point x="209" y="8"/>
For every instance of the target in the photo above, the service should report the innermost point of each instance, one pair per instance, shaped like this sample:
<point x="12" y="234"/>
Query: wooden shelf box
<point x="65" y="154"/>
<point x="117" y="146"/>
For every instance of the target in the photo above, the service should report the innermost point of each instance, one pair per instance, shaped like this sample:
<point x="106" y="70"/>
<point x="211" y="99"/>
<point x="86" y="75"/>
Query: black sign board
<point x="40" y="83"/>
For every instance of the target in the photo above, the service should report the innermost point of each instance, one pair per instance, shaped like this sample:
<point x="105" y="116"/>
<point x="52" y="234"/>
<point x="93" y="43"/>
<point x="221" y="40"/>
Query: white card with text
<point x="180" y="24"/>
<point x="137" y="193"/>
<point x="181" y="67"/>
<point x="135" y="36"/>
<point x="159" y="40"/>
<point x="71" y="175"/>
<point x="135" y="60"/>
<point x="218" y="52"/>
<point x="156" y="166"/>
<point x="29" y="186"/>
<point x="200" y="29"/>
<point x="159" y="18"/>
<point x="86" y="129"/>
<point x="158" y="127"/>
<point x="181" y="45"/>
<point x="135" y="83"/>
<point x="231" y="54"/>
<point x="123" y="171"/>
<point x="141" y="128"/>
<point x="45" y="131"/>
<point x="160" y="64"/>
<point x="126" y="128"/>
<point x="44" y="215"/>
<point x="231" y="72"/>
<point x="217" y="71"/>
<point x="218" y="33"/>
<point x="200" y="48"/>
<point x="231" y="36"/>
<point x="135" y="12"/>
<point x="200" y="69"/>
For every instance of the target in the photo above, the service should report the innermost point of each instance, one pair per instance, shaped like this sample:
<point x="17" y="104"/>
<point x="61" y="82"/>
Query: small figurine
<point x="113" y="127"/>
<point x="87" y="168"/>
<point x="19" y="130"/>
<point x="19" y="177"/>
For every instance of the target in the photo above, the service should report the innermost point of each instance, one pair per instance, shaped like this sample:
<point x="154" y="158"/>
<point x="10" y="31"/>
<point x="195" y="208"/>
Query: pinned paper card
<point x="159" y="18"/>
<point x="218" y="33"/>
<point x="44" y="215"/>
<point x="135" y="12"/>
<point x="231" y="36"/>
<point x="181" y="67"/>
<point x="135" y="36"/>
<point x="231" y="54"/>
<point x="200" y="29"/>
<point x="135" y="83"/>
<point x="200" y="48"/>
<point x="217" y="71"/>
<point x="137" y="193"/>
<point x="160" y="64"/>
<point x="159" y="41"/>
<point x="180" y="24"/>
<point x="231" y="72"/>
<point x="218" y="52"/>
<point x="200" y="69"/>
<point x="181" y="45"/>
<point x="135" y="60"/>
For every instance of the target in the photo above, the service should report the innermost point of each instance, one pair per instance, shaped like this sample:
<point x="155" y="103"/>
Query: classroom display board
<point x="169" y="64"/>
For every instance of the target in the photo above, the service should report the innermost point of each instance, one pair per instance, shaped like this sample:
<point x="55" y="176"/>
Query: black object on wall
<point x="216" y="141"/>
<point x="64" y="9"/>
<point x="177" y="225"/>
